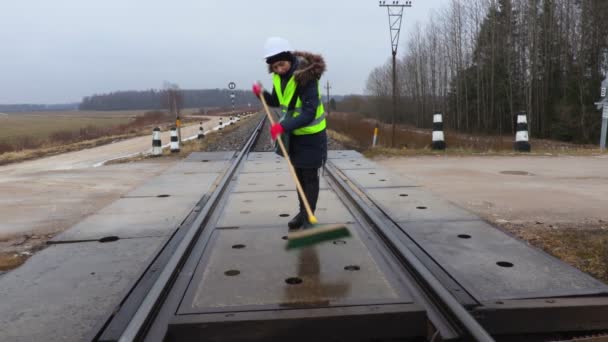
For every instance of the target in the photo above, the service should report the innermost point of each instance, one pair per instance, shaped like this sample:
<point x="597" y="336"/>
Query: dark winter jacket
<point x="309" y="150"/>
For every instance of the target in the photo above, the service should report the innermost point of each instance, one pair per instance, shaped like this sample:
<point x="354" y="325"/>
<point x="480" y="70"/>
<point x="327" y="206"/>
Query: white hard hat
<point x="275" y="45"/>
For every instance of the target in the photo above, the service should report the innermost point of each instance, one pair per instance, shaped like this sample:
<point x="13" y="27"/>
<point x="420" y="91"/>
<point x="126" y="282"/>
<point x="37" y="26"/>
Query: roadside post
<point x="603" y="106"/>
<point x="178" y="124"/>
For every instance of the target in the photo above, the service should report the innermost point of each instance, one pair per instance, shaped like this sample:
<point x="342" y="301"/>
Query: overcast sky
<point x="61" y="50"/>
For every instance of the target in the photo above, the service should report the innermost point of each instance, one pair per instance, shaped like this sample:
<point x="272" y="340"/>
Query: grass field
<point x="412" y="141"/>
<point x="40" y="130"/>
<point x="41" y="125"/>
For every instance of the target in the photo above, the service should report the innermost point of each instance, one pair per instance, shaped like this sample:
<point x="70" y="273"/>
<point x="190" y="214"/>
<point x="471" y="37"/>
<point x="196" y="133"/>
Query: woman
<point x="296" y="90"/>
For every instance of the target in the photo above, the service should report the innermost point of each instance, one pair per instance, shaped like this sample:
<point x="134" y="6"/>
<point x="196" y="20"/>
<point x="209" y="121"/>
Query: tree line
<point x="160" y="99"/>
<point x="481" y="61"/>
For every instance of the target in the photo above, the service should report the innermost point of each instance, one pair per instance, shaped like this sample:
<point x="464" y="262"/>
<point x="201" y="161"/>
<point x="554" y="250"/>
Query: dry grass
<point x="345" y="140"/>
<point x="29" y="154"/>
<point x="42" y="130"/>
<point x="585" y="248"/>
<point x="8" y="261"/>
<point x="42" y="125"/>
<point x="26" y="136"/>
<point x="414" y="141"/>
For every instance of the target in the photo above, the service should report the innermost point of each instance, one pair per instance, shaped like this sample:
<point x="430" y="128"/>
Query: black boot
<point x="297" y="222"/>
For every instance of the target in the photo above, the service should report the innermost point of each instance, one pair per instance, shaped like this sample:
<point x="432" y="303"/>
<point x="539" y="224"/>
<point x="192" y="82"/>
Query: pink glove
<point x="257" y="89"/>
<point x="276" y="130"/>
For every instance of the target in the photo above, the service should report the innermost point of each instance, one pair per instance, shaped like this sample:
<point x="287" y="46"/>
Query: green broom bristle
<point x="311" y="237"/>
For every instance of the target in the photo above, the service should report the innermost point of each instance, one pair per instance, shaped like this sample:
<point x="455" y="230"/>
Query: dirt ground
<point x="559" y="204"/>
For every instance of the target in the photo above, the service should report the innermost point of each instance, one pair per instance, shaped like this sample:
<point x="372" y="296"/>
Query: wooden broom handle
<point x="311" y="216"/>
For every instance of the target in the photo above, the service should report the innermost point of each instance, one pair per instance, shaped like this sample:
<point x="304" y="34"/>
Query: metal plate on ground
<point x="264" y="156"/>
<point x="210" y="156"/>
<point x="378" y="178"/>
<point x="202" y="167"/>
<point x="277" y="208"/>
<point x="184" y="185"/>
<point x="65" y="291"/>
<point x="269" y="181"/>
<point x="249" y="268"/>
<point x="343" y="154"/>
<point x="253" y="166"/>
<point x="409" y="204"/>
<point x="491" y="265"/>
<point x="354" y="163"/>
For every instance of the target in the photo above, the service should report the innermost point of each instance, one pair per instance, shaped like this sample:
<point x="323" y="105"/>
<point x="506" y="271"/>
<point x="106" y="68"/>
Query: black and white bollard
<point x="201" y="132"/>
<point x="438" y="136"/>
<point x="521" y="137"/>
<point x="174" y="141"/>
<point x="231" y="120"/>
<point x="221" y="125"/>
<point x="157" y="146"/>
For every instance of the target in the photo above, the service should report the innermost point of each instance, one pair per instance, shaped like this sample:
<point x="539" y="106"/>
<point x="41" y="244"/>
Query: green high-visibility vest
<point x="286" y="95"/>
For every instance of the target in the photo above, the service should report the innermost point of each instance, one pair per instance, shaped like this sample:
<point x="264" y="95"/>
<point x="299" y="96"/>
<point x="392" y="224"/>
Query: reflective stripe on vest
<point x="286" y="95"/>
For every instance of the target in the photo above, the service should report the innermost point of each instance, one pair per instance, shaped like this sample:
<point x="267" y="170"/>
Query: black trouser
<point x="309" y="179"/>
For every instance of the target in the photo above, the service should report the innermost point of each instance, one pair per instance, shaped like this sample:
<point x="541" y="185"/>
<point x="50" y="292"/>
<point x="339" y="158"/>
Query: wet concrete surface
<point x="250" y="267"/>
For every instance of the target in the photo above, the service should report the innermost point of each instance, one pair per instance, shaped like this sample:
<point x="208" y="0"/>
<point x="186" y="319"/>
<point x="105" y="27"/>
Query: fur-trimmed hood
<point x="309" y="67"/>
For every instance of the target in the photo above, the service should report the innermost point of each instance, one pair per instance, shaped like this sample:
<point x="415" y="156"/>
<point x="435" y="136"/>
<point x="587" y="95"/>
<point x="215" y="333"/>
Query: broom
<point x="318" y="233"/>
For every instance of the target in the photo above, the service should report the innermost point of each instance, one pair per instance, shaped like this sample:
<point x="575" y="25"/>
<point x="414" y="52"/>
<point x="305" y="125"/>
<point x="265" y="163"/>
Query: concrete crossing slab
<point x="276" y="208"/>
<point x="209" y="156"/>
<point x="265" y="156"/>
<point x="378" y="178"/>
<point x="250" y="267"/>
<point x="268" y="181"/>
<point x="492" y="265"/>
<point x="194" y="168"/>
<point x="184" y="185"/>
<point x="131" y="218"/>
<point x="343" y="154"/>
<point x="409" y="204"/>
<point x="253" y="166"/>
<point x="64" y="292"/>
<point x="354" y="163"/>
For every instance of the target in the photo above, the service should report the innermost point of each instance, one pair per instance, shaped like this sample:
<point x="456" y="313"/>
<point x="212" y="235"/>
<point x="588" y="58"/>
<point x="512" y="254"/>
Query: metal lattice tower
<point x="395" y="16"/>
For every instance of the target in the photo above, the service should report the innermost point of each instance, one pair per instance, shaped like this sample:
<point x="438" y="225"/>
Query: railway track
<point x="224" y="275"/>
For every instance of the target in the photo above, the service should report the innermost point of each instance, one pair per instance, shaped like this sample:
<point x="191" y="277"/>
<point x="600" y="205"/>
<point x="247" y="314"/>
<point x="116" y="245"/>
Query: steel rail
<point x="154" y="297"/>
